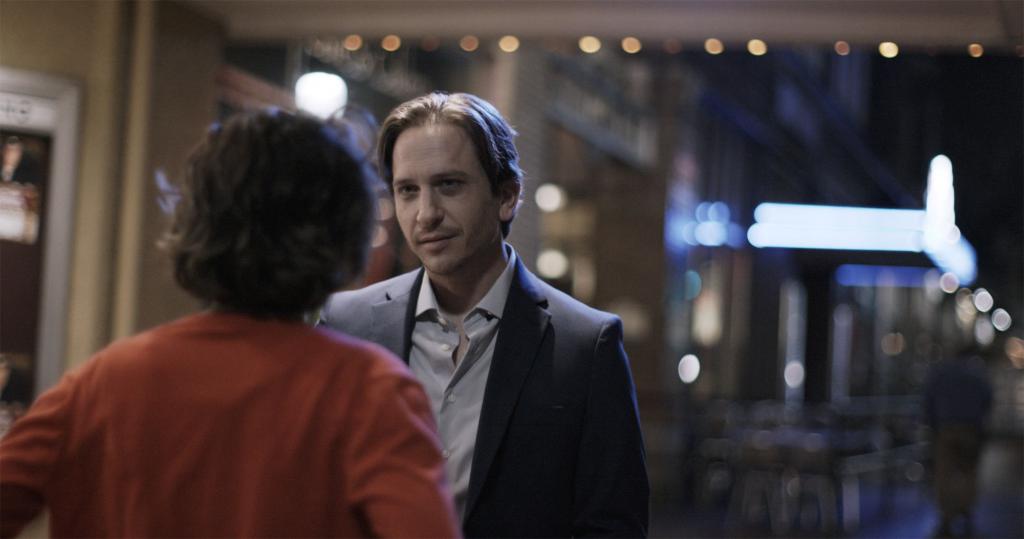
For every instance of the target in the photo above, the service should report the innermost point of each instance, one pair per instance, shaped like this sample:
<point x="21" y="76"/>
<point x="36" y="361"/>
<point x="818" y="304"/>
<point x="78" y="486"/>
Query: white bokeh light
<point x="549" y="197"/>
<point x="983" y="300"/>
<point x="983" y="331"/>
<point x="552" y="264"/>
<point x="794" y="374"/>
<point x="1001" y="319"/>
<point x="689" y="368"/>
<point x="949" y="282"/>
<point x="321" y="94"/>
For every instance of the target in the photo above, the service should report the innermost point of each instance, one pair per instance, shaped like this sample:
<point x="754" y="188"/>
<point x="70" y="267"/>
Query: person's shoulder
<point x="120" y="358"/>
<point x="371" y="294"/>
<point x="127" y="348"/>
<point x="562" y="305"/>
<point x="370" y="358"/>
<point x="349" y="311"/>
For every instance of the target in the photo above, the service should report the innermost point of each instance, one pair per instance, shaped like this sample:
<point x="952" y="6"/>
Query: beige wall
<point x="146" y="73"/>
<point x="174" y="104"/>
<point x="83" y="41"/>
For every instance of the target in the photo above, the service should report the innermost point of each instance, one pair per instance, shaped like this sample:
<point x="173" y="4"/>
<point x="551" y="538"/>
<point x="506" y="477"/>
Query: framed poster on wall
<point x="38" y="145"/>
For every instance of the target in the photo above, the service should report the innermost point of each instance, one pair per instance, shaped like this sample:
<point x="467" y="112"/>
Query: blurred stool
<point x="717" y="478"/>
<point x="760" y="490"/>
<point x="816" y="488"/>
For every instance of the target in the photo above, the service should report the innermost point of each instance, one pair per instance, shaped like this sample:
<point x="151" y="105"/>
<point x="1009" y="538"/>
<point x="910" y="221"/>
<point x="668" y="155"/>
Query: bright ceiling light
<point x="391" y="43"/>
<point x="352" y="42"/>
<point x="469" y="43"/>
<point x="714" y="46"/>
<point x="631" y="45"/>
<point x="321" y="94"/>
<point x="888" y="49"/>
<point x="508" y="43"/>
<point x="590" y="44"/>
<point x="757" y="47"/>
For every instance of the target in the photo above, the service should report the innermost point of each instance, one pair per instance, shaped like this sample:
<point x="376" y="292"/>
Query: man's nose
<point x="429" y="213"/>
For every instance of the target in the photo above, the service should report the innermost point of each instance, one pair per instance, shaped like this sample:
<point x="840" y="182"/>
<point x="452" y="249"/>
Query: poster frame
<point x="57" y="106"/>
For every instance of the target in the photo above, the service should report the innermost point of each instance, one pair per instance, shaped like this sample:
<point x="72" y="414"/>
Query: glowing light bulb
<point x="631" y="45"/>
<point x="714" y="46"/>
<point x="757" y="47"/>
<point x="508" y="43"/>
<point x="469" y="43"/>
<point x="352" y="42"/>
<point x="321" y="94"/>
<point x="590" y="44"/>
<point x="888" y="49"/>
<point x="391" y="43"/>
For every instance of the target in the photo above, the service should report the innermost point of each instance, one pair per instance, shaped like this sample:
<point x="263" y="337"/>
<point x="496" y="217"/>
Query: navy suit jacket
<point x="559" y="450"/>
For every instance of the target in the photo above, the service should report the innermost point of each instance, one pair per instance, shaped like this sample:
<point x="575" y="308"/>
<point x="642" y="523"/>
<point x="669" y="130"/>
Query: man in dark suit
<point x="531" y="389"/>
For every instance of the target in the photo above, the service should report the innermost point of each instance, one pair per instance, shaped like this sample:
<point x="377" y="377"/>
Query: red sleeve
<point x="29" y="452"/>
<point x="396" y="474"/>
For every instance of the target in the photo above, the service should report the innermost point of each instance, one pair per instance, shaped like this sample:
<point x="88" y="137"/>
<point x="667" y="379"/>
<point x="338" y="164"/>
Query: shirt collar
<point x="493" y="302"/>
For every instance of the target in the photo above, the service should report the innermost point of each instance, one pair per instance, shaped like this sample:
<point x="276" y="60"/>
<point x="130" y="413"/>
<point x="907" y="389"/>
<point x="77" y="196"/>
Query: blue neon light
<point x="803" y="226"/>
<point x="896" y="276"/>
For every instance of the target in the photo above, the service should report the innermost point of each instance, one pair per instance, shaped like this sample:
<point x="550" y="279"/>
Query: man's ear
<point x="509" y="195"/>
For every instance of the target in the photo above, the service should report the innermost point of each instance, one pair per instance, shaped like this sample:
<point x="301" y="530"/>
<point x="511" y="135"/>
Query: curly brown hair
<point x="275" y="215"/>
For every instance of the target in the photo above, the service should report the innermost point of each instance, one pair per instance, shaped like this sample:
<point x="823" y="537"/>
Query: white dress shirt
<point x="456" y="391"/>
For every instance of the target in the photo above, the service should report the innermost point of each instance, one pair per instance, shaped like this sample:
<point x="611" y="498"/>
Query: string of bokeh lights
<point x="631" y="45"/>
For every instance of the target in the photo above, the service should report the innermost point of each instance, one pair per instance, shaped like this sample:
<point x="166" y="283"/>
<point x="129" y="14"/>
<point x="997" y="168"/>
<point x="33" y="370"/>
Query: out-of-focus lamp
<point x="321" y="94"/>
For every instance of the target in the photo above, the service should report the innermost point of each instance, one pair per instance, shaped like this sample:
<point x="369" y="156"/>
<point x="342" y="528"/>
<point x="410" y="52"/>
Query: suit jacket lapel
<point x="522" y="328"/>
<point x="393" y="318"/>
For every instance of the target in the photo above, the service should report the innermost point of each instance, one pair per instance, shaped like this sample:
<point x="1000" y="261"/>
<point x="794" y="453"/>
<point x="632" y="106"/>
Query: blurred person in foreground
<point x="531" y="389"/>
<point x="241" y="420"/>
<point x="957" y="400"/>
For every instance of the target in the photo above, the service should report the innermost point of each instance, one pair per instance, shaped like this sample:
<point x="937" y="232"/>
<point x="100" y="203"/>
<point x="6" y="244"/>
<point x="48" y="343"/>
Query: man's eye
<point x="405" y="190"/>
<point x="449" y="186"/>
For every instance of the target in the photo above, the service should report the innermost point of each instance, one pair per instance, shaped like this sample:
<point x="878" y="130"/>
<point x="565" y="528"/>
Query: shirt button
<point x="446" y="454"/>
<point x="451" y="397"/>
<point x="446" y="347"/>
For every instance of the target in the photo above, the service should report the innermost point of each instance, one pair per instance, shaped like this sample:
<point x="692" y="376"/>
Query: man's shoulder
<point x="374" y="293"/>
<point x="343" y="309"/>
<point x="565" y="308"/>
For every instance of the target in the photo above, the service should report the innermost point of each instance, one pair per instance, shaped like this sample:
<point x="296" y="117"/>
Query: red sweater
<point x="222" y="425"/>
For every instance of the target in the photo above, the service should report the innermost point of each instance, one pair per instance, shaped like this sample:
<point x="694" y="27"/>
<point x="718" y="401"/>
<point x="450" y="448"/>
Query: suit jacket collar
<point x="522" y="329"/>
<point x="523" y="324"/>
<point x="395" y="315"/>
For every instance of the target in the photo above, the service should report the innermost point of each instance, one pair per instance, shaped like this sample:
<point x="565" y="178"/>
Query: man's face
<point x="444" y="203"/>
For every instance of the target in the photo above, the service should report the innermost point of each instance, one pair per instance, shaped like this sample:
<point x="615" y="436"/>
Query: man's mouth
<point x="433" y="240"/>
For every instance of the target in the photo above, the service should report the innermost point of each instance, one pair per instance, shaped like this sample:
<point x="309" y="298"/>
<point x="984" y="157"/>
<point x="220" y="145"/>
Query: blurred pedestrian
<point x="957" y="400"/>
<point x="241" y="420"/>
